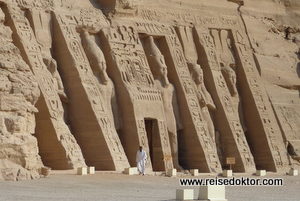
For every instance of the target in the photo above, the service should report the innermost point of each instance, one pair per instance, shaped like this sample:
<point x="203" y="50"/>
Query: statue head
<point x="102" y="65"/>
<point x="156" y="57"/>
<point x="196" y="72"/>
<point x="101" y="60"/>
<point x="162" y="70"/>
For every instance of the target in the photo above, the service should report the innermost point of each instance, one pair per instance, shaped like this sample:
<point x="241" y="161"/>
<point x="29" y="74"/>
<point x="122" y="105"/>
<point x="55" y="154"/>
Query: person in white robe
<point x="141" y="157"/>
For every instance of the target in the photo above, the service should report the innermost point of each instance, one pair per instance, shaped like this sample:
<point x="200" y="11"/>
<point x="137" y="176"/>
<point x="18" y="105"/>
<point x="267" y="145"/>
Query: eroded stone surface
<point x="87" y="82"/>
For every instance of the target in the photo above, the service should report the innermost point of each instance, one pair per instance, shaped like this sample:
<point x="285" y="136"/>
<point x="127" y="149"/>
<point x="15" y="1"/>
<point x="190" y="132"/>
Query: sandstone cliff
<point x="19" y="93"/>
<point x="194" y="82"/>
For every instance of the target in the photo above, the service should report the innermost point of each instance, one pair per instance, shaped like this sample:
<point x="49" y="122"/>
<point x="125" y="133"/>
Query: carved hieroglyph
<point x="88" y="82"/>
<point x="140" y="102"/>
<point x="286" y="109"/>
<point x="169" y="98"/>
<point x="197" y="134"/>
<point x="209" y="151"/>
<point x="92" y="122"/>
<point x="58" y="147"/>
<point x="277" y="155"/>
<point x="225" y="109"/>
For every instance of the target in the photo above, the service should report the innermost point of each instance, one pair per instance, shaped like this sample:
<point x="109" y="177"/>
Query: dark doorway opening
<point x="149" y="131"/>
<point x="155" y="146"/>
<point x="182" y="149"/>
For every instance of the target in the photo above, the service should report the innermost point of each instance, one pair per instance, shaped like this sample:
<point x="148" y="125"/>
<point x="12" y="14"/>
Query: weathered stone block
<point x="293" y="172"/>
<point x="131" y="171"/>
<point x="212" y="193"/>
<point x="184" y="194"/>
<point x="82" y="170"/>
<point x="194" y="172"/>
<point x="91" y="170"/>
<point x="227" y="173"/>
<point x="171" y="172"/>
<point x="261" y="173"/>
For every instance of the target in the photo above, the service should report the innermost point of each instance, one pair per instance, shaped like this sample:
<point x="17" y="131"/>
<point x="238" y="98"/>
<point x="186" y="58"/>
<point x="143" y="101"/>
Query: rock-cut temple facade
<point x="85" y="83"/>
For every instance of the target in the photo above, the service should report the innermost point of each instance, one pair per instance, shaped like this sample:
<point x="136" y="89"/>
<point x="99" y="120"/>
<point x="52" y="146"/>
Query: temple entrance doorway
<point x="155" y="149"/>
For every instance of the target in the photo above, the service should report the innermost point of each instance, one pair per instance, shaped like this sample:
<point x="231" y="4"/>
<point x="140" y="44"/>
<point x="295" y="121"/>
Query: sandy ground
<point x="66" y="185"/>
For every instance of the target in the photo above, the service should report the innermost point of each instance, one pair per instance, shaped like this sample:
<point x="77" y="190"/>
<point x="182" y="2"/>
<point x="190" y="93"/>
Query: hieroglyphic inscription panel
<point x="185" y="80"/>
<point x="142" y="134"/>
<point x="289" y="120"/>
<point x="228" y="112"/>
<point x="68" y="26"/>
<point x="31" y="51"/>
<point x="263" y="106"/>
<point x="192" y="102"/>
<point x="129" y="56"/>
<point x="191" y="18"/>
<point x="132" y="66"/>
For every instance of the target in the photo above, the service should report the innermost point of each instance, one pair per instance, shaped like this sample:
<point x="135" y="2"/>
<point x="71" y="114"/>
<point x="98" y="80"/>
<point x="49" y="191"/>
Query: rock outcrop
<point x="19" y="156"/>
<point x="87" y="82"/>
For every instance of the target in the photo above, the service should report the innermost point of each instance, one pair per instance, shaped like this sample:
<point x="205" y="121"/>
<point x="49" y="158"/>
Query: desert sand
<point x="66" y="185"/>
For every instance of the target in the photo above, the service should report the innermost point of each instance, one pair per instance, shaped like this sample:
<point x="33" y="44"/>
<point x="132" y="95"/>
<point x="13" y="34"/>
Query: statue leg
<point x="209" y="122"/>
<point x="174" y="149"/>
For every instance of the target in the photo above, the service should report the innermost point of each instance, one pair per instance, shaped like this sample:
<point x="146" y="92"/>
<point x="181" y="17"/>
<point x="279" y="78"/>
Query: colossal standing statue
<point x="98" y="64"/>
<point x="205" y="100"/>
<point x="168" y="92"/>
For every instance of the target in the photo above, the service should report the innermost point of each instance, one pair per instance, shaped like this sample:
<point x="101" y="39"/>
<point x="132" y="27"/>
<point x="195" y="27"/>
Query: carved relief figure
<point x="168" y="95"/>
<point x="226" y="57"/>
<point x="205" y="100"/>
<point x="98" y="64"/>
<point x="223" y="44"/>
<point x="42" y="29"/>
<point x="228" y="72"/>
<point x="58" y="84"/>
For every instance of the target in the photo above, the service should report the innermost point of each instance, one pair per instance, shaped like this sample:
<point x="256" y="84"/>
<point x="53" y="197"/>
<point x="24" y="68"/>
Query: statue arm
<point x="115" y="109"/>
<point x="201" y="98"/>
<point x="209" y="101"/>
<point x="176" y="110"/>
